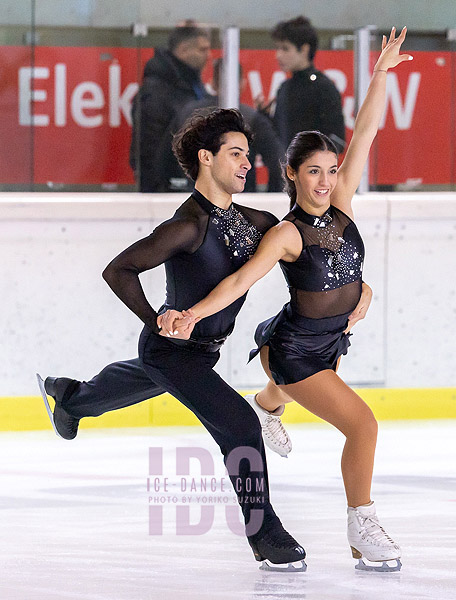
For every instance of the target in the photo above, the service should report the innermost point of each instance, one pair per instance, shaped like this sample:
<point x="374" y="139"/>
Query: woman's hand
<point x="390" y="57"/>
<point x="176" y="324"/>
<point x="361" y="308"/>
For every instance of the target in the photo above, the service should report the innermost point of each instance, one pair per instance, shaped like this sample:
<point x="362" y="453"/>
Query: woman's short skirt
<point x="300" y="347"/>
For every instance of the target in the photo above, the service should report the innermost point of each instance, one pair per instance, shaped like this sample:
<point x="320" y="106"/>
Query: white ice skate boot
<point x="274" y="434"/>
<point x="368" y="539"/>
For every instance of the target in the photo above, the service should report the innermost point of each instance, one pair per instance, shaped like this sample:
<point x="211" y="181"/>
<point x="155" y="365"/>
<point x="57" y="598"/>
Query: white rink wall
<point x="59" y="317"/>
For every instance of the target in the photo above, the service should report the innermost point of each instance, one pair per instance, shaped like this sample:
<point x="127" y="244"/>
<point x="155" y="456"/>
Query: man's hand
<point x="175" y="324"/>
<point x="361" y="308"/>
<point x="166" y="323"/>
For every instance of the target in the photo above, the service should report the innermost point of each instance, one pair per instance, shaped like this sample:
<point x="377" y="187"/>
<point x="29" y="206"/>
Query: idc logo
<point x="192" y="501"/>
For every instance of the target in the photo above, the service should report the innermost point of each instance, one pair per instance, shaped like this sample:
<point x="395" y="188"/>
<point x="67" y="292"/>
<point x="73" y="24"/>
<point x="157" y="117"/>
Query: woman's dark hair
<point x="297" y="31"/>
<point x="206" y="131"/>
<point x="301" y="147"/>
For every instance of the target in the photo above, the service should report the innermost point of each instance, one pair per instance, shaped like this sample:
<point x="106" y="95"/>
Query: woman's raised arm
<point x="281" y="241"/>
<point x="367" y="122"/>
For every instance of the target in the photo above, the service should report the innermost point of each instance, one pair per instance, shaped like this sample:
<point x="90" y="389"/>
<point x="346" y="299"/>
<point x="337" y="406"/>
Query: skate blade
<point x="383" y="568"/>
<point x="46" y="403"/>
<point x="294" y="567"/>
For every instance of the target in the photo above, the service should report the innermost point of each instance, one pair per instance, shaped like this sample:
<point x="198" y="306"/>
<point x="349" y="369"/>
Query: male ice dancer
<point x="208" y="238"/>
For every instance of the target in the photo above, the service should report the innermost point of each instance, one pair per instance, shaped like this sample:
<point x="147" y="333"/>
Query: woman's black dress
<point x="307" y="336"/>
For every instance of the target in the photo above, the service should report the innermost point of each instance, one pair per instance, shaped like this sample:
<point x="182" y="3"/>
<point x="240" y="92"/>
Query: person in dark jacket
<point x="265" y="141"/>
<point x="308" y="100"/>
<point x="171" y="80"/>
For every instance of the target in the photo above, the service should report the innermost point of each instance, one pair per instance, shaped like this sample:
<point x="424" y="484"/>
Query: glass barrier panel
<point x="16" y="95"/>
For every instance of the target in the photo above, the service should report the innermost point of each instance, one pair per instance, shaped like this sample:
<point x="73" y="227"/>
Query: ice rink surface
<point x="75" y="518"/>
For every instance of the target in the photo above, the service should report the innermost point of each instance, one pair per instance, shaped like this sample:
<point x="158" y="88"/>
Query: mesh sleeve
<point x="122" y="274"/>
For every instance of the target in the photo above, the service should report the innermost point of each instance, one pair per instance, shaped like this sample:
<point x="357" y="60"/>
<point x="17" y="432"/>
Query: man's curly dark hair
<point x="206" y="131"/>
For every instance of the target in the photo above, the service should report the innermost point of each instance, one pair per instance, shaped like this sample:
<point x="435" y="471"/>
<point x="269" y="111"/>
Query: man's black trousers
<point x="189" y="376"/>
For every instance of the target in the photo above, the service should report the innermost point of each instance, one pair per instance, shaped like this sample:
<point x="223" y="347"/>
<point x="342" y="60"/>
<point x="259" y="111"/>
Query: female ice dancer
<point x="321" y="254"/>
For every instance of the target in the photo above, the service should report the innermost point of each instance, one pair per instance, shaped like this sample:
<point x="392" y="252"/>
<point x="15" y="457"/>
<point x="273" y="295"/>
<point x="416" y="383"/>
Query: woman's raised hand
<point x="390" y="57"/>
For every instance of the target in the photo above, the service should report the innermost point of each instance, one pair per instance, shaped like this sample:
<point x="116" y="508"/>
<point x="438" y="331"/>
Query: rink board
<point x="27" y="413"/>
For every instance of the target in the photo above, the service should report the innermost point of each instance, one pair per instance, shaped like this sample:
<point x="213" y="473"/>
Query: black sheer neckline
<point x="207" y="204"/>
<point x="313" y="220"/>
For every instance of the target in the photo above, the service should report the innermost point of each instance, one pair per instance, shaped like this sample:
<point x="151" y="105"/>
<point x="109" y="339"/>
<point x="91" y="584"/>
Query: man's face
<point x="194" y="52"/>
<point x="230" y="165"/>
<point x="290" y="58"/>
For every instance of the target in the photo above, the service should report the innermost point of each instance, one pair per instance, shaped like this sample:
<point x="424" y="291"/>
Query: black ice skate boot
<point x="60" y="388"/>
<point x="278" y="551"/>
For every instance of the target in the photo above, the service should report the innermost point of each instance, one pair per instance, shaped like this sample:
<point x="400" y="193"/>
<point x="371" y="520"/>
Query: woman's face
<point x="315" y="180"/>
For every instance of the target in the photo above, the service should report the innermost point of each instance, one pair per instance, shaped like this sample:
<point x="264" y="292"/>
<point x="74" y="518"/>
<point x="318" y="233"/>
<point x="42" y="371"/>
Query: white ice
<point x="75" y="525"/>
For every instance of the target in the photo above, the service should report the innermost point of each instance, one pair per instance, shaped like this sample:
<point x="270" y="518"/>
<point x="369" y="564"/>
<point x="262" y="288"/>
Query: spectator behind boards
<point x="171" y="79"/>
<point x="308" y="100"/>
<point x="265" y="140"/>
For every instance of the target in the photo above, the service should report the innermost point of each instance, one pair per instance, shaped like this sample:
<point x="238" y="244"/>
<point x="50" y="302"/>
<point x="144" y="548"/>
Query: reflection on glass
<point x="69" y="72"/>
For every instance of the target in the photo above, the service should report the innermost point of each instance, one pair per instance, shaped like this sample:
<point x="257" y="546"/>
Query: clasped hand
<point x="361" y="308"/>
<point x="176" y="324"/>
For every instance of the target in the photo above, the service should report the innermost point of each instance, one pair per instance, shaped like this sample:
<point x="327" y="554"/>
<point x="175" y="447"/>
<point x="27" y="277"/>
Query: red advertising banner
<point x="417" y="141"/>
<point x="16" y="141"/>
<point x="80" y="101"/>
